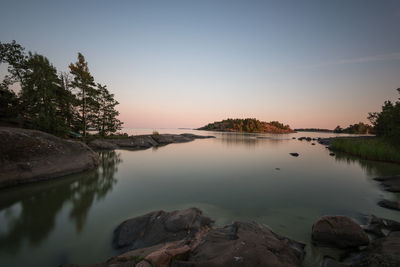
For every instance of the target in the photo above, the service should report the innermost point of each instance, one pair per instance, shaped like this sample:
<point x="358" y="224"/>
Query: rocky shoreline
<point x="185" y="238"/>
<point x="138" y="142"/>
<point x="29" y="156"/>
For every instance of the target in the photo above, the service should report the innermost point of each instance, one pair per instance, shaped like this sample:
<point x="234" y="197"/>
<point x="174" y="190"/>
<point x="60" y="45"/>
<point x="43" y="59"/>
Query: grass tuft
<point x="367" y="148"/>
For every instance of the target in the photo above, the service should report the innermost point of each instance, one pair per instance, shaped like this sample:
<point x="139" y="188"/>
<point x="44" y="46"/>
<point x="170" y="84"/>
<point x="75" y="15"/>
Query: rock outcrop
<point x="187" y="238"/>
<point x="382" y="251"/>
<point x="381" y="227"/>
<point x="393" y="205"/>
<point x="159" y="227"/>
<point x="338" y="231"/>
<point x="29" y="156"/>
<point x="144" y="141"/>
<point x="390" y="183"/>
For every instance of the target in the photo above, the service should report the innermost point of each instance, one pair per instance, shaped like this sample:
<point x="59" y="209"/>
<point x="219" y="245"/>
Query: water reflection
<point x="28" y="215"/>
<point x="371" y="168"/>
<point x="249" y="140"/>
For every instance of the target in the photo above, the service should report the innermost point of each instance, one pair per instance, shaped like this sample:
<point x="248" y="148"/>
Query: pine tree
<point x="41" y="96"/>
<point x="107" y="115"/>
<point x="84" y="82"/>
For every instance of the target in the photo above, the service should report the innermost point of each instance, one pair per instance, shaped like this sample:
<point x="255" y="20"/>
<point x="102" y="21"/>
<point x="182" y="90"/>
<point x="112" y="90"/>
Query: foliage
<point x="83" y="81"/>
<point x="46" y="100"/>
<point x="358" y="128"/>
<point x="155" y="132"/>
<point x="41" y="96"/>
<point x="107" y="121"/>
<point x="8" y="103"/>
<point x="372" y="148"/>
<point x="14" y="56"/>
<point x="387" y="122"/>
<point x="247" y="125"/>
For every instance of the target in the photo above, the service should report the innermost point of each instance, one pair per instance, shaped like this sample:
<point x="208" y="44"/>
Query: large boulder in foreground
<point x="30" y="155"/>
<point x="159" y="227"/>
<point x="187" y="238"/>
<point x="338" y="231"/>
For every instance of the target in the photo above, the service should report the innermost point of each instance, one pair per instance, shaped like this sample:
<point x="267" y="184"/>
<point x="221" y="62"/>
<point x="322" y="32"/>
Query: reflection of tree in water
<point x="39" y="204"/>
<point x="372" y="168"/>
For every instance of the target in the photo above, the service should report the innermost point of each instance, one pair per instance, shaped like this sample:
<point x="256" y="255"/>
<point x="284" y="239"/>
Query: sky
<point x="190" y="62"/>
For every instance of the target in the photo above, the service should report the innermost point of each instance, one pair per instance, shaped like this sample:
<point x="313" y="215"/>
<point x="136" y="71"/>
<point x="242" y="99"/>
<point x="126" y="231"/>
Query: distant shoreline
<point x="315" y="130"/>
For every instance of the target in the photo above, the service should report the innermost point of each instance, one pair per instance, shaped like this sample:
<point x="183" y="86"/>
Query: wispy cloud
<point x="381" y="57"/>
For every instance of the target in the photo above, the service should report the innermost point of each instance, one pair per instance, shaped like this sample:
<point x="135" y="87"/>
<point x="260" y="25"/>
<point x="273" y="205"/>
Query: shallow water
<point x="232" y="177"/>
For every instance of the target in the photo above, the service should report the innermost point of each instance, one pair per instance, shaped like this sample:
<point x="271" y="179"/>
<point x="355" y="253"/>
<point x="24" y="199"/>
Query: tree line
<point x="36" y="96"/>
<point x="387" y="122"/>
<point x="245" y="125"/>
<point x="357" y="128"/>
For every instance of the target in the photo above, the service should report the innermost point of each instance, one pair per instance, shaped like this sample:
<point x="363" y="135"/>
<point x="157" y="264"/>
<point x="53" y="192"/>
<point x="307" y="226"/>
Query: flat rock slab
<point x="390" y="183"/>
<point x="102" y="144"/>
<point x="30" y="155"/>
<point x="338" y="231"/>
<point x="144" y="141"/>
<point x="244" y="244"/>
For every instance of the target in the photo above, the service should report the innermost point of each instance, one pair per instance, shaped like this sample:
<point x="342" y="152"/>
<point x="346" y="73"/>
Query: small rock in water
<point x="393" y="205"/>
<point x="331" y="154"/>
<point x="313" y="144"/>
<point x="294" y="154"/>
<point x="293" y="137"/>
<point x="278" y="169"/>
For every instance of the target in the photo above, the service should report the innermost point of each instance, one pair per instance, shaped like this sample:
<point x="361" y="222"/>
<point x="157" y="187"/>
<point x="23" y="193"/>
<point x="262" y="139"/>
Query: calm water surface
<point x="233" y="177"/>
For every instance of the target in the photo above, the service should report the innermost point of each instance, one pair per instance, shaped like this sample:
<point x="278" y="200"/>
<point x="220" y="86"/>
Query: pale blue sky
<point x="186" y="63"/>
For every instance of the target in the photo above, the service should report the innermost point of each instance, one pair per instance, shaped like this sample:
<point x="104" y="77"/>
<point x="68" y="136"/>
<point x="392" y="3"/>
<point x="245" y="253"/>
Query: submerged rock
<point x="338" y="231"/>
<point x="30" y="155"/>
<point x="294" y="154"/>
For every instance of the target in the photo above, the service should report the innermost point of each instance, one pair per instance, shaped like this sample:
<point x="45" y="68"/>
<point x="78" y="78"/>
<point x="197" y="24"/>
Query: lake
<point x="235" y="176"/>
